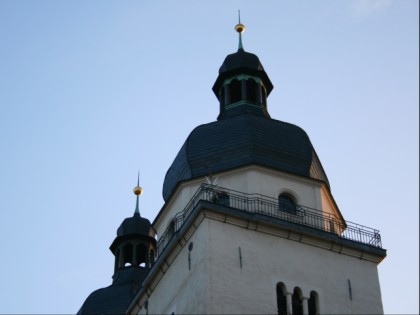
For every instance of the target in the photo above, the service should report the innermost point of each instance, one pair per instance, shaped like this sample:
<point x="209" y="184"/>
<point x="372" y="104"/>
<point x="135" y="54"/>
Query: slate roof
<point x="115" y="298"/>
<point x="134" y="225"/>
<point x="244" y="135"/>
<point x="241" y="140"/>
<point x="241" y="62"/>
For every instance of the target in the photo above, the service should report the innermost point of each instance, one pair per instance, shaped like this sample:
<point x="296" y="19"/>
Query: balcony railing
<point x="267" y="206"/>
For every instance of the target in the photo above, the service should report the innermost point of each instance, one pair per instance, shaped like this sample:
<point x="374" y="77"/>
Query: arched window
<point x="251" y="90"/>
<point x="287" y="203"/>
<point x="313" y="307"/>
<point x="128" y="254"/>
<point x="297" y="307"/>
<point x="235" y="91"/>
<point x="141" y="255"/>
<point x="281" y="299"/>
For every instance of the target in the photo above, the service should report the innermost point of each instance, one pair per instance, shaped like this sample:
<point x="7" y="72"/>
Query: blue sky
<point x="93" y="91"/>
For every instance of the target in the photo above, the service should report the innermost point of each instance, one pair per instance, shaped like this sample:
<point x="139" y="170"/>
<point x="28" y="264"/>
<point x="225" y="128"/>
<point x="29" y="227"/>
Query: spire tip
<point x="240" y="28"/>
<point x="138" y="191"/>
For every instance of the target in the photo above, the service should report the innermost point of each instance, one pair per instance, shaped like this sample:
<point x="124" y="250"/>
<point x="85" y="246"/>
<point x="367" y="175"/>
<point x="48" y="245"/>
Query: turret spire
<point x="137" y="191"/>
<point x="240" y="28"/>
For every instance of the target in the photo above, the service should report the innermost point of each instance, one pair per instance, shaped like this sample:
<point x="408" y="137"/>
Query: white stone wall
<point x="224" y="280"/>
<point x="254" y="180"/>
<point x="267" y="260"/>
<point x="176" y="204"/>
<point x="235" y="270"/>
<point x="183" y="290"/>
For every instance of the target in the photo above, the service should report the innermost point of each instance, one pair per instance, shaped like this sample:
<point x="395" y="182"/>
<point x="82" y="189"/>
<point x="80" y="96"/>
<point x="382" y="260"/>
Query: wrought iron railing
<point x="267" y="206"/>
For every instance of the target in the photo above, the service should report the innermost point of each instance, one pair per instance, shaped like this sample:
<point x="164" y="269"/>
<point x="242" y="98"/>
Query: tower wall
<point x="236" y="270"/>
<point x="183" y="287"/>
<point x="267" y="260"/>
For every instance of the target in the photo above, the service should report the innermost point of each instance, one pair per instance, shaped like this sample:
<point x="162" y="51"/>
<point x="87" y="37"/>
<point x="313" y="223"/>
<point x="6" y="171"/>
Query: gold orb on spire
<point x="240" y="28"/>
<point x="138" y="190"/>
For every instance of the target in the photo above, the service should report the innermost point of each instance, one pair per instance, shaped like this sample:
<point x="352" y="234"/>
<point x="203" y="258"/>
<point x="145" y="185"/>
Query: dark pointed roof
<point x="241" y="62"/>
<point x="241" y="59"/>
<point x="134" y="225"/>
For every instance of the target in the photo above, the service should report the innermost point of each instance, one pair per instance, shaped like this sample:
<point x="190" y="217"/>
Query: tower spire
<point x="240" y="28"/>
<point x="137" y="191"/>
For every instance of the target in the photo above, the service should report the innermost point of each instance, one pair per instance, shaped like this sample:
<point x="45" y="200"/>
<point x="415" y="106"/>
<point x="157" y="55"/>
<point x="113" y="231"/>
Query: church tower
<point x="249" y="224"/>
<point x="134" y="250"/>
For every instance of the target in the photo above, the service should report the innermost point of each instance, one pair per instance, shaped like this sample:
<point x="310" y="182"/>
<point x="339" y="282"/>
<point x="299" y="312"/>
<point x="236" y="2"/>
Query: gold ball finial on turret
<point x="240" y="28"/>
<point x="138" y="190"/>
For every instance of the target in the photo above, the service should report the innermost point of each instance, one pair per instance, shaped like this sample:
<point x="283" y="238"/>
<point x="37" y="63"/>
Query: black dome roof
<point x="115" y="298"/>
<point x="241" y="62"/>
<point x="243" y="140"/>
<point x="134" y="225"/>
<point x="241" y="59"/>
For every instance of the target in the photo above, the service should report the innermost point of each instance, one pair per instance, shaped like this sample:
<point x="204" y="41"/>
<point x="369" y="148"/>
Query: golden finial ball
<point x="240" y="28"/>
<point x="138" y="190"/>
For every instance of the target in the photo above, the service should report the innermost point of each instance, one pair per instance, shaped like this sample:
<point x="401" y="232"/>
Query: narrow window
<point x="297" y="307"/>
<point x="287" y="203"/>
<point x="226" y="94"/>
<point x="313" y="304"/>
<point x="251" y="90"/>
<point x="281" y="299"/>
<point x="235" y="91"/>
<point x="128" y="254"/>
<point x="141" y="255"/>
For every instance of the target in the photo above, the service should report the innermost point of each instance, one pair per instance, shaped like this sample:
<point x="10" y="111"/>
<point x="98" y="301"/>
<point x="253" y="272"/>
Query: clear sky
<point x="93" y="91"/>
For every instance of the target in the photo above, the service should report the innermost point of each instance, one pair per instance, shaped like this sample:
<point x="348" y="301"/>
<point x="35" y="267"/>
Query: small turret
<point x="135" y="245"/>
<point x="242" y="84"/>
<point x="134" y="249"/>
